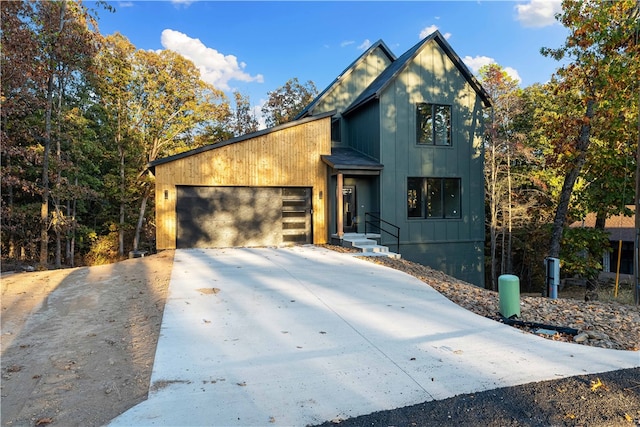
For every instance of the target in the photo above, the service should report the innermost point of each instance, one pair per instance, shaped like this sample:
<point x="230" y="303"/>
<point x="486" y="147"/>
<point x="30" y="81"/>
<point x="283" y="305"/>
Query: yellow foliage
<point x="597" y="384"/>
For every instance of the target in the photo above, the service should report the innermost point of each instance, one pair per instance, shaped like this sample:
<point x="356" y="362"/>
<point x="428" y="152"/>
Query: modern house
<point x="622" y="237"/>
<point x="393" y="142"/>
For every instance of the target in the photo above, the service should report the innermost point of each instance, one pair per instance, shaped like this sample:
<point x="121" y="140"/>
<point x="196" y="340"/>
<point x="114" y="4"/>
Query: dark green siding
<point x="452" y="245"/>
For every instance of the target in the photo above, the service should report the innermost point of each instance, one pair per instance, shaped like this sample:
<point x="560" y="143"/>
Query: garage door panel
<point x="239" y="216"/>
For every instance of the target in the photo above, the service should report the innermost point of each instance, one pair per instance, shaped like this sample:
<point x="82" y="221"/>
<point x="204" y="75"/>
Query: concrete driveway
<point x="303" y="335"/>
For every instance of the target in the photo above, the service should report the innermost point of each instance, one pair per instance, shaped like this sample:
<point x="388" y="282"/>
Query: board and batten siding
<point x="351" y="85"/>
<point x="432" y="77"/>
<point x="288" y="157"/>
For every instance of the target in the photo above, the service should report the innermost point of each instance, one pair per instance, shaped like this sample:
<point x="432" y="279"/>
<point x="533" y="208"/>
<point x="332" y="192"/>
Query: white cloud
<point x="215" y="68"/>
<point x="430" y="30"/>
<point x="513" y="73"/>
<point x="366" y="44"/>
<point x="477" y="62"/>
<point x="125" y="4"/>
<point x="538" y="13"/>
<point x="185" y="3"/>
<point x="346" y="43"/>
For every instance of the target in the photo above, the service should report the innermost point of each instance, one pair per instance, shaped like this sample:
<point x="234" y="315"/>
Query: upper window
<point x="335" y="130"/>
<point x="433" y="197"/>
<point x="433" y="124"/>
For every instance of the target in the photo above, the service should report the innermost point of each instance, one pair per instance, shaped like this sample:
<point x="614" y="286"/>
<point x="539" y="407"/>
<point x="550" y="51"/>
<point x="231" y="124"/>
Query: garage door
<point x="242" y="216"/>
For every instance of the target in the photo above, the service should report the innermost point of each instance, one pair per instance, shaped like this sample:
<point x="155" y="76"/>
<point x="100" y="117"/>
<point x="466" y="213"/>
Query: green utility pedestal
<point x="509" y="290"/>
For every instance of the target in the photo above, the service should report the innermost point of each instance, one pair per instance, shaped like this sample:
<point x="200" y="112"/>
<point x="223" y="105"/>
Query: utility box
<point x="509" y="290"/>
<point x="552" y="267"/>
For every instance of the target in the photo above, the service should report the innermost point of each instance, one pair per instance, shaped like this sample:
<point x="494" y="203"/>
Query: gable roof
<point x="151" y="165"/>
<point x="308" y="110"/>
<point x="392" y="71"/>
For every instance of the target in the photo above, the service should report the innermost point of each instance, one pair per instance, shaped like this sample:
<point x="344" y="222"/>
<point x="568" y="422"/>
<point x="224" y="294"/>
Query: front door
<point x="349" y="209"/>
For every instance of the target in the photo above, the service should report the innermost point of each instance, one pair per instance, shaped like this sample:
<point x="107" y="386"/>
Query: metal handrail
<point x="367" y="221"/>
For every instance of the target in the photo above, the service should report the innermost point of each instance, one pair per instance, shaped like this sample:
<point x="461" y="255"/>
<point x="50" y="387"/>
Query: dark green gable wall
<point x="455" y="246"/>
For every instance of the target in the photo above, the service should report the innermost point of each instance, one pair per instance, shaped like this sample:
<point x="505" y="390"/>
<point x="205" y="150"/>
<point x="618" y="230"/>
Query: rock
<point x="597" y="335"/>
<point x="581" y="337"/>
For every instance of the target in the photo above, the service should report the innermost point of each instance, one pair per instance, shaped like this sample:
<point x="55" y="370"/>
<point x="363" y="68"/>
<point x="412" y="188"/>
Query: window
<point x="335" y="130"/>
<point x="433" y="124"/>
<point x="433" y="198"/>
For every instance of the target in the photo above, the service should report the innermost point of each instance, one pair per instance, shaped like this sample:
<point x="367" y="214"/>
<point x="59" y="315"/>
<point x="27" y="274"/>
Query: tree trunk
<point x="637" y="208"/>
<point x="122" y="185"/>
<point x="143" y="207"/>
<point x="508" y="264"/>
<point x="44" y="207"/>
<point x="493" y="225"/>
<point x="56" y="199"/>
<point x="569" y="182"/>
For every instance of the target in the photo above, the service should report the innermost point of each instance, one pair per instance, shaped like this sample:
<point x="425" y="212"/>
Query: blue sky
<point x="255" y="47"/>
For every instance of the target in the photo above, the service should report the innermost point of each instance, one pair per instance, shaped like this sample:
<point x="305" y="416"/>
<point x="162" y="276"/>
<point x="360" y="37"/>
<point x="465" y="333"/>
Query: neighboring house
<point x="401" y="138"/>
<point x="621" y="229"/>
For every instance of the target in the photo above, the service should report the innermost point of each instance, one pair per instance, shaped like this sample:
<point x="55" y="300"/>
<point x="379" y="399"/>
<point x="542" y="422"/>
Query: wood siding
<point x="289" y="157"/>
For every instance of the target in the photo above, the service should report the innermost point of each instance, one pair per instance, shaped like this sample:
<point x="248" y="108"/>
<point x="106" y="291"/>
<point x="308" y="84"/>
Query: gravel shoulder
<point x="78" y="348"/>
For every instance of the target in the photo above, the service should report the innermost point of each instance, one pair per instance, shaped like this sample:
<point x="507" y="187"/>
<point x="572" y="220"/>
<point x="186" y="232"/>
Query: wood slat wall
<point x="288" y="157"/>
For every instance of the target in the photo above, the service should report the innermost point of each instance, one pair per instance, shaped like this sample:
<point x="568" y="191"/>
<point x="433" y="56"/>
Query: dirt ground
<point x="78" y="348"/>
<point x="78" y="344"/>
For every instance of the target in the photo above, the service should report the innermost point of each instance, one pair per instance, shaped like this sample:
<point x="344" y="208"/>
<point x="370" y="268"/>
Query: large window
<point x="433" y="124"/>
<point x="433" y="198"/>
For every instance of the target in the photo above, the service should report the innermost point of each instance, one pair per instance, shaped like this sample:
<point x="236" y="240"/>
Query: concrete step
<point x="371" y="247"/>
<point x="392" y="255"/>
<point x="367" y="244"/>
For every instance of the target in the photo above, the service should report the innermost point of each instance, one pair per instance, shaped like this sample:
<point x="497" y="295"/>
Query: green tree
<point x="113" y="82"/>
<point x="602" y="68"/>
<point x="287" y="101"/>
<point x="171" y="104"/>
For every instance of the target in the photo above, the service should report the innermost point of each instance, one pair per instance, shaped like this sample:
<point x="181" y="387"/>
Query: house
<point x="622" y="237"/>
<point x="392" y="140"/>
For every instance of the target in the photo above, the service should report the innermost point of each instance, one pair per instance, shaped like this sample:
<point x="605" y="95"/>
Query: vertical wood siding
<point x="288" y="157"/>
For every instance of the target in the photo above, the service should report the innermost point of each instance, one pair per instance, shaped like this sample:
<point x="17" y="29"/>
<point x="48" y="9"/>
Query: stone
<point x="581" y="337"/>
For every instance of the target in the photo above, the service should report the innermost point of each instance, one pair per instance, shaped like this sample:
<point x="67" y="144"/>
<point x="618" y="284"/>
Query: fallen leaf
<point x="628" y="417"/>
<point x="43" y="421"/>
<point x="597" y="384"/>
<point x="570" y="416"/>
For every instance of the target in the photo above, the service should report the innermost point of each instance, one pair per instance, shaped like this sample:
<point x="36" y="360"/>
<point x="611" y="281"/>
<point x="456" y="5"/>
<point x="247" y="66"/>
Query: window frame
<point x="430" y="110"/>
<point x="421" y="190"/>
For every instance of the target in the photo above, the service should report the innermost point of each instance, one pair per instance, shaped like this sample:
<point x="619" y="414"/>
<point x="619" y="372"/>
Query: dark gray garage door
<point x="242" y="216"/>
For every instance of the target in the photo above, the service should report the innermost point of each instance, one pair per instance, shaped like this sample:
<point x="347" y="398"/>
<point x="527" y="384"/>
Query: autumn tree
<point x="171" y="104"/>
<point x="243" y="120"/>
<point x="48" y="46"/>
<point x="501" y="149"/>
<point x="287" y="101"/>
<point x="601" y="71"/>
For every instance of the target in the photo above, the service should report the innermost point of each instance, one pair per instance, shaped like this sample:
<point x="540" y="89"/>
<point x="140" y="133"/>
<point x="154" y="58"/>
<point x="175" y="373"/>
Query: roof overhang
<point x="349" y="161"/>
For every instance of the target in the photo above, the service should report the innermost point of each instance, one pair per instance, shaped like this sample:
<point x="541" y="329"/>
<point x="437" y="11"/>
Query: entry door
<point x="349" y="209"/>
